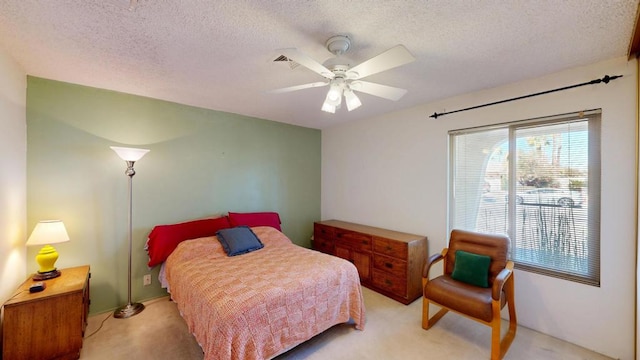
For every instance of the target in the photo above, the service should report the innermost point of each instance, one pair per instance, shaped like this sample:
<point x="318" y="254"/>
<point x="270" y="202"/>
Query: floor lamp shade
<point x="130" y="155"/>
<point x="45" y="233"/>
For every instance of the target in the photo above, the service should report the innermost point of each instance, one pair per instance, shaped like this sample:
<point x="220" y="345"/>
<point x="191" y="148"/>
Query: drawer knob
<point x="365" y="242"/>
<point x="389" y="265"/>
<point x="389" y="248"/>
<point x="388" y="282"/>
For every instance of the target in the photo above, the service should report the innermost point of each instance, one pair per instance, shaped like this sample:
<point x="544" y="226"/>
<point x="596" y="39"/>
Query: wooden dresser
<point x="48" y="324"/>
<point x="389" y="262"/>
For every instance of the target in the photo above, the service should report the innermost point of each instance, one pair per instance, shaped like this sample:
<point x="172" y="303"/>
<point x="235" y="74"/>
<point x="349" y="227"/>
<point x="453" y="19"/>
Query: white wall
<point x="13" y="172"/>
<point x="391" y="171"/>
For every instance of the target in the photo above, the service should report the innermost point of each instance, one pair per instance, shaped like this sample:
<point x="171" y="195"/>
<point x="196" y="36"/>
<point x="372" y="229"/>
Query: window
<point x="545" y="196"/>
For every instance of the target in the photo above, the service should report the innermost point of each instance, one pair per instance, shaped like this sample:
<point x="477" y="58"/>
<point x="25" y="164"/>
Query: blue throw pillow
<point x="471" y="268"/>
<point x="239" y="240"/>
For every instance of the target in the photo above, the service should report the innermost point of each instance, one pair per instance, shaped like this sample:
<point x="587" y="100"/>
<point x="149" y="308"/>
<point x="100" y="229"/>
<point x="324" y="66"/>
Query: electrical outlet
<point x="146" y="280"/>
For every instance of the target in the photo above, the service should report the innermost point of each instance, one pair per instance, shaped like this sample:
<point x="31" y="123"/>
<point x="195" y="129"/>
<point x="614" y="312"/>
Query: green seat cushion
<point x="471" y="268"/>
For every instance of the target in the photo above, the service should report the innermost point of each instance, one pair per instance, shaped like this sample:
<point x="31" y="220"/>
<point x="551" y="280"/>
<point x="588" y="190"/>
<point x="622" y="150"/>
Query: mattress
<point x="260" y="304"/>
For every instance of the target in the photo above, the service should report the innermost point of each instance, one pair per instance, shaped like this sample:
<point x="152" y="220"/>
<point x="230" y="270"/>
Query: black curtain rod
<point x="605" y="80"/>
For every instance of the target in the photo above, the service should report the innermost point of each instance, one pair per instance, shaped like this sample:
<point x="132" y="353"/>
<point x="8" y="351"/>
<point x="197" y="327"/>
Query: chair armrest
<point x="432" y="260"/>
<point x="503" y="276"/>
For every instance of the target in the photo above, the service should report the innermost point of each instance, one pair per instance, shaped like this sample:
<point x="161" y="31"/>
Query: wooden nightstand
<point x="48" y="324"/>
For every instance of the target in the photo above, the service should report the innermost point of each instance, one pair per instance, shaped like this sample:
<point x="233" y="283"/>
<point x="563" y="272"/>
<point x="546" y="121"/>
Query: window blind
<point x="537" y="181"/>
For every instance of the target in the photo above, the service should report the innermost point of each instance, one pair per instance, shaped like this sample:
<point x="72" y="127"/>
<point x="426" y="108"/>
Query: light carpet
<point x="392" y="331"/>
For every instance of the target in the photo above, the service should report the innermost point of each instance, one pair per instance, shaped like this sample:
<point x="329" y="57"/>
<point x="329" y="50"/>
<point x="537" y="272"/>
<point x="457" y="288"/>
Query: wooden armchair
<point x="455" y="289"/>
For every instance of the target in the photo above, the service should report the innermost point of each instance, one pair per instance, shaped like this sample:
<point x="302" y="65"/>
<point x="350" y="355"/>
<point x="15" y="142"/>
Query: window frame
<point x="594" y="118"/>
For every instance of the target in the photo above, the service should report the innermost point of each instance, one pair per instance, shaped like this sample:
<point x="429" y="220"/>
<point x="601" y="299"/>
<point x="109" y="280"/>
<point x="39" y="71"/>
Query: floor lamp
<point x="130" y="155"/>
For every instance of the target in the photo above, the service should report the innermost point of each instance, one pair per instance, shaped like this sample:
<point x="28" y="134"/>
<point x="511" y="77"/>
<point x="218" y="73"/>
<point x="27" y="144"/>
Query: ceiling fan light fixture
<point x="333" y="99"/>
<point x="352" y="100"/>
<point x="334" y="93"/>
<point x="328" y="108"/>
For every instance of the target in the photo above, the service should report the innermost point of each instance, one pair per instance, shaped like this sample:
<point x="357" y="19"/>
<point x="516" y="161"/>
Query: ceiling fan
<point x="344" y="80"/>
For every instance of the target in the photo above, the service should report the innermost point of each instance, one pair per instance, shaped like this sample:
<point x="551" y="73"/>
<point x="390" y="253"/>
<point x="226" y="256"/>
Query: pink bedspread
<point x="257" y="305"/>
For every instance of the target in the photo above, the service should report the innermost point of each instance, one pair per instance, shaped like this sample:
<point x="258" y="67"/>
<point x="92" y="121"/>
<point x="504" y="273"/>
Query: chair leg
<point x="508" y="337"/>
<point x="513" y="322"/>
<point x="500" y="347"/>
<point x="429" y="322"/>
<point x="425" y="313"/>
<point x="495" y="331"/>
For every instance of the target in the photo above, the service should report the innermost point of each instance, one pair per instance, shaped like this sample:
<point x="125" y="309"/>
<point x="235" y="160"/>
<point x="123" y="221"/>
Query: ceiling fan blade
<point x="394" y="57"/>
<point x="306" y="61"/>
<point x="383" y="91"/>
<point x="298" y="87"/>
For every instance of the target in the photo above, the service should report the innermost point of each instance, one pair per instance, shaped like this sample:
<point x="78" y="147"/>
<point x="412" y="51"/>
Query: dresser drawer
<point x="323" y="244"/>
<point x="387" y="282"/>
<point x="388" y="247"/>
<point x="323" y="231"/>
<point x="390" y="265"/>
<point x="354" y="240"/>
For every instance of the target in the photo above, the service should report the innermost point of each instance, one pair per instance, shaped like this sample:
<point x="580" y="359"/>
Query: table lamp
<point x="45" y="233"/>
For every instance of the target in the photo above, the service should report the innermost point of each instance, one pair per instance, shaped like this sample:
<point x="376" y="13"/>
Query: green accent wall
<point x="202" y="163"/>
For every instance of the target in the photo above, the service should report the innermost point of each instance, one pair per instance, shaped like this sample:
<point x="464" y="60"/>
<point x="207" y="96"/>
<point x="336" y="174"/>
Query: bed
<point x="262" y="303"/>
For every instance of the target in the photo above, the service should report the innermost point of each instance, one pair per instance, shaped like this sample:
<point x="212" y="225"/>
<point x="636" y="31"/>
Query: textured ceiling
<point x="218" y="54"/>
